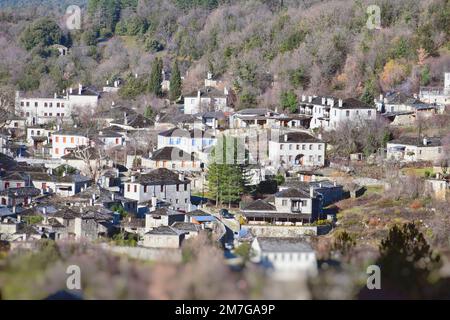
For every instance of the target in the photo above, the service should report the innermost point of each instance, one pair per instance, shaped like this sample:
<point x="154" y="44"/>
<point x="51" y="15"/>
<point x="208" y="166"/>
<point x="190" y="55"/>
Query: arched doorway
<point x="299" y="159"/>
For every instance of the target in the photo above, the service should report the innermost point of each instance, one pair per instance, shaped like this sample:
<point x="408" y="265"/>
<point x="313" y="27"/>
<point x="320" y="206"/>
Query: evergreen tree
<point x="226" y="181"/>
<point x="175" y="82"/>
<point x="148" y="113"/>
<point x="156" y="77"/>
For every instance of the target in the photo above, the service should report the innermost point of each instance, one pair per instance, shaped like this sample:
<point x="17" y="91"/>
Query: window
<point x="290" y="147"/>
<point x="45" y="114"/>
<point x="128" y="188"/>
<point x="57" y="114"/>
<point x="56" y="151"/>
<point x="117" y="140"/>
<point x="185" y="187"/>
<point x="62" y="114"/>
<point x="35" y="104"/>
<point x="298" y="147"/>
<point x="56" y="139"/>
<point x="38" y="133"/>
<point x="369" y="113"/>
<point x="64" y="139"/>
<point x="135" y="188"/>
<point x="72" y="139"/>
<point x="303" y="146"/>
<point x="28" y="114"/>
<point x="319" y="158"/>
<point x="281" y="147"/>
<point x="58" y="104"/>
<point x="32" y="132"/>
<point x="284" y="202"/>
<point x="45" y="104"/>
<point x="311" y="158"/>
<point x="347" y="113"/>
<point x="62" y="105"/>
<point x="319" y="147"/>
<point x="145" y="189"/>
<point x="21" y="104"/>
<point x="310" y="147"/>
<point x="50" y="105"/>
<point x="290" y="158"/>
<point x="28" y="104"/>
<point x="50" y="114"/>
<point x="162" y="188"/>
<point x="178" y="187"/>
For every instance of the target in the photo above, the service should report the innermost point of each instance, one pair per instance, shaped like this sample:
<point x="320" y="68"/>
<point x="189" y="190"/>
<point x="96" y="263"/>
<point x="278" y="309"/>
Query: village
<point x="65" y="179"/>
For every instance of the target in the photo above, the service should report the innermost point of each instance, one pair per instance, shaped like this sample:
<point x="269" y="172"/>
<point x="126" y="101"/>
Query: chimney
<point x="14" y="210"/>
<point x="324" y="101"/>
<point x="425" y="141"/>
<point x="303" y="97"/>
<point x="44" y="211"/>
<point x="136" y="75"/>
<point x="55" y="95"/>
<point x="225" y="91"/>
<point x="91" y="202"/>
<point x="125" y="121"/>
<point x="107" y="82"/>
<point x="70" y="90"/>
<point x="113" y="196"/>
<point x="310" y="99"/>
<point x="80" y="88"/>
<point x="181" y="177"/>
<point x="311" y="192"/>
<point x="319" y="136"/>
<point x="113" y="103"/>
<point x="133" y="178"/>
<point x="285" y="138"/>
<point x="116" y="83"/>
<point x="340" y="103"/>
<point x="335" y="183"/>
<point x="154" y="203"/>
<point x="381" y="98"/>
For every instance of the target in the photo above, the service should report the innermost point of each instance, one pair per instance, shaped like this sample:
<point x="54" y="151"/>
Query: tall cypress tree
<point x="175" y="82"/>
<point x="156" y="77"/>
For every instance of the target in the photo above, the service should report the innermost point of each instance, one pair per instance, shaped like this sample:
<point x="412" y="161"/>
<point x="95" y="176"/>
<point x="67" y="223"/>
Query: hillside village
<point x="294" y="192"/>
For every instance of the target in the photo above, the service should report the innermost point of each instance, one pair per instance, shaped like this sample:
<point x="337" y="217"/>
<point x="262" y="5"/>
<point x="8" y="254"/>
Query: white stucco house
<point x="285" y="258"/>
<point x="328" y="112"/>
<point x="39" y="110"/>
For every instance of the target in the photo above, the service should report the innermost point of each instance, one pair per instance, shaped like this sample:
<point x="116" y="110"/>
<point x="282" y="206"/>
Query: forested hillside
<point x="268" y="51"/>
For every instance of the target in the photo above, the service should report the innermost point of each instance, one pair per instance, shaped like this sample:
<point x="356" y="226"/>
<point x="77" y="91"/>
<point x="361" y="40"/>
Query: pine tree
<point x="148" y="113"/>
<point x="175" y="82"/>
<point x="154" y="85"/>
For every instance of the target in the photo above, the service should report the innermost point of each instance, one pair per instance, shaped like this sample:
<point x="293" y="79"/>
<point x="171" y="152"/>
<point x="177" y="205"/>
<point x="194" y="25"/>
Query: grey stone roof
<point x="259" y="205"/>
<point x="186" y="226"/>
<point x="160" y="176"/>
<point x="284" y="245"/>
<point x="298" y="137"/>
<point x="165" y="230"/>
<point x="21" y="192"/>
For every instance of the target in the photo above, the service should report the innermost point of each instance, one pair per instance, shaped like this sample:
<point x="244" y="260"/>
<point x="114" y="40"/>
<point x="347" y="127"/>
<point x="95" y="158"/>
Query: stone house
<point x="410" y="149"/>
<point x="162" y="217"/>
<point x="161" y="184"/>
<point x="163" y="237"/>
<point x="173" y="158"/>
<point x="297" y="149"/>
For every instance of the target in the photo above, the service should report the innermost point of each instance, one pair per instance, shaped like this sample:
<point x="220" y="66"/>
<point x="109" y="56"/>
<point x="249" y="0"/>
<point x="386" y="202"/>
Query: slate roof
<point x="177" y="132"/>
<point x="164" y="212"/>
<point x="21" y="192"/>
<point x="171" y="153"/>
<point x="259" y="205"/>
<point x="160" y="176"/>
<point x="292" y="193"/>
<point x="284" y="244"/>
<point x="206" y="92"/>
<point x="165" y="230"/>
<point x="298" y="137"/>
<point x="186" y="226"/>
<point x="352" y="103"/>
<point x="415" y="141"/>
